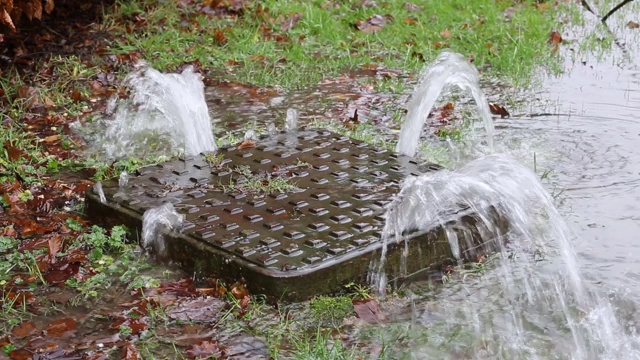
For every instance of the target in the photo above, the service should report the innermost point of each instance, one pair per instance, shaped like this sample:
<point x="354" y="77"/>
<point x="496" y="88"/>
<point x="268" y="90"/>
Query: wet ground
<point x="585" y="149"/>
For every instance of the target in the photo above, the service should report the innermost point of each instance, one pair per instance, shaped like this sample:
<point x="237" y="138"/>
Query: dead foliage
<point x="12" y="10"/>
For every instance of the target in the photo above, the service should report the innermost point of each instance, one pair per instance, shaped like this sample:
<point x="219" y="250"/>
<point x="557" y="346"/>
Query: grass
<point x="324" y="43"/>
<point x="247" y="181"/>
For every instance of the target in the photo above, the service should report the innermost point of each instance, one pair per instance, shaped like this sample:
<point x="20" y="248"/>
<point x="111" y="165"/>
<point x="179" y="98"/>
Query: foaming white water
<point x="291" y="122"/>
<point x="449" y="68"/>
<point x="534" y="304"/>
<point x="165" y="114"/>
<point x="97" y="189"/>
<point x="123" y="180"/>
<point x="155" y="222"/>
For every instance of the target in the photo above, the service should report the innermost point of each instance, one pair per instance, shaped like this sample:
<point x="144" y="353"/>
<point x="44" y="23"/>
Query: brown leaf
<point x="498" y="110"/>
<point x="409" y="21"/>
<point x="130" y="352"/>
<point x="291" y="21"/>
<point x="239" y="291"/>
<point x="4" y="341"/>
<point x="246" y="144"/>
<point x="6" y="20"/>
<point x="52" y="138"/>
<point x="63" y="274"/>
<point x="373" y="24"/>
<point x="48" y="6"/>
<point x="23" y="329"/>
<point x="29" y="94"/>
<point x="440" y="44"/>
<point x="55" y="244"/>
<point x="219" y="38"/>
<point x="76" y="95"/>
<point x="59" y="327"/>
<point x="205" y="349"/>
<point x="445" y="33"/>
<point x="21" y="354"/>
<point x="555" y="40"/>
<point x="411" y="7"/>
<point x="633" y="25"/>
<point x="14" y="153"/>
<point x="369" y="311"/>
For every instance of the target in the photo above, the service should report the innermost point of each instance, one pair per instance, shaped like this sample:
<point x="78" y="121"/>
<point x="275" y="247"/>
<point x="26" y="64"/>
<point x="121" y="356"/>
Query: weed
<point x="329" y="310"/>
<point x="213" y="160"/>
<point x="359" y="291"/>
<point x="247" y="181"/>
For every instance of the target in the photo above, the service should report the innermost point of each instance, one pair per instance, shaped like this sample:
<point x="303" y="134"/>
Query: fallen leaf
<point x="445" y="33"/>
<point x="23" y="329"/>
<point x="21" y="354"/>
<point x="373" y="24"/>
<point x="291" y="21"/>
<point x="409" y="21"/>
<point x="246" y="144"/>
<point x="76" y="95"/>
<point x="498" y="110"/>
<point x="411" y="7"/>
<point x="52" y="138"/>
<point x="219" y="38"/>
<point x="205" y="349"/>
<point x="239" y="291"/>
<point x="130" y="352"/>
<point x="55" y="244"/>
<point x="29" y="94"/>
<point x="633" y="25"/>
<point x="440" y="44"/>
<point x="369" y="311"/>
<point x="59" y="327"/>
<point x="4" y="341"/>
<point x="555" y="40"/>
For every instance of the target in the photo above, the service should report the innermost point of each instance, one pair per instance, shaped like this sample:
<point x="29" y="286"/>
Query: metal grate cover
<point x="290" y="245"/>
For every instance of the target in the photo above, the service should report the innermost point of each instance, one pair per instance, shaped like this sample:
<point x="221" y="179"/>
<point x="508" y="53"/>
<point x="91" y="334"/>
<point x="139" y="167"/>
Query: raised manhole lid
<point x="335" y="213"/>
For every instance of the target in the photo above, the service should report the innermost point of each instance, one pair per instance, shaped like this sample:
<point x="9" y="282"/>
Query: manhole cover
<point x="288" y="243"/>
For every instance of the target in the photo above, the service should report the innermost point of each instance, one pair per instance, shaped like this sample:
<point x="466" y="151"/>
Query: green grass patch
<point x="258" y="48"/>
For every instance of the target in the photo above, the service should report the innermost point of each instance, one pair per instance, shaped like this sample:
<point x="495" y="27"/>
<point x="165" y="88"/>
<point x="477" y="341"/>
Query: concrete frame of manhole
<point x="426" y="250"/>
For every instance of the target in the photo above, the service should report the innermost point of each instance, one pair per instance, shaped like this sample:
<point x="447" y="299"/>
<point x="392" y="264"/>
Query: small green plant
<point x="247" y="181"/>
<point x="213" y="159"/>
<point x="359" y="291"/>
<point x="330" y="310"/>
<point x="74" y="224"/>
<point x="100" y="241"/>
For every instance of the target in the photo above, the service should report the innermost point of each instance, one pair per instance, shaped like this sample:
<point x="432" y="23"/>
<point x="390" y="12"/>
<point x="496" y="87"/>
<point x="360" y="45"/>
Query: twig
<point x="585" y="4"/>
<point x="623" y="3"/>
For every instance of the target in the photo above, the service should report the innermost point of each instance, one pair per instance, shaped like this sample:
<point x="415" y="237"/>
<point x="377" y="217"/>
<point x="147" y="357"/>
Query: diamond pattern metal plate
<point x="281" y="243"/>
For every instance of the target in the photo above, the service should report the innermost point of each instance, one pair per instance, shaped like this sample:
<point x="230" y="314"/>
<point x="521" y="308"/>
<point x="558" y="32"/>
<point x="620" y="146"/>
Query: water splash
<point x="165" y="113"/>
<point x="527" y="291"/>
<point x="155" y="222"/>
<point x="123" y="180"/>
<point x="291" y="122"/>
<point x="250" y="135"/>
<point x="97" y="189"/>
<point x="449" y="68"/>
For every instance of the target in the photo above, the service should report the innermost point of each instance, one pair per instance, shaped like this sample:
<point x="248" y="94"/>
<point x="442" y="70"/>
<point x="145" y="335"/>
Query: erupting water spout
<point x="448" y="69"/>
<point x="155" y="221"/>
<point x="165" y="114"/>
<point x="291" y="122"/>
